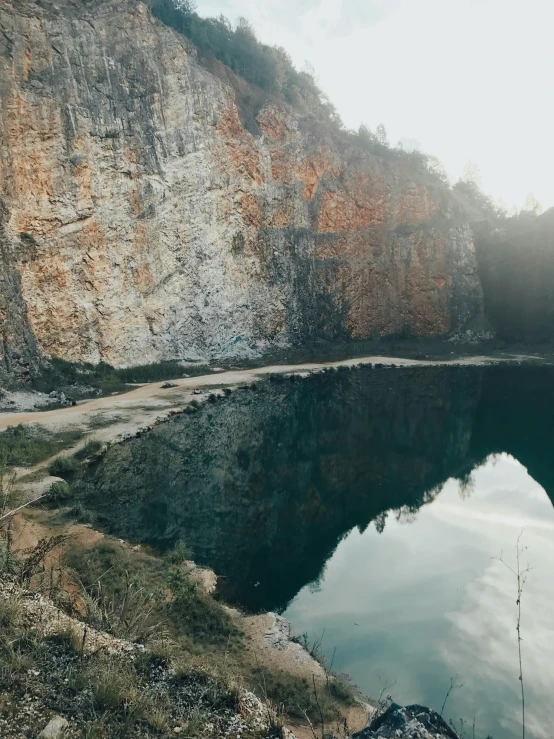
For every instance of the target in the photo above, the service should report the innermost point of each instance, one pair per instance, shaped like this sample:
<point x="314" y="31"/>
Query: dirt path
<point x="143" y="402"/>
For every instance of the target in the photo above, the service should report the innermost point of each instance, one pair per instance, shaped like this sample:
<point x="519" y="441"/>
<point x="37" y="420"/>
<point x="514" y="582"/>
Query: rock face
<point x="412" y="722"/>
<point x="18" y="350"/>
<point x="146" y="222"/>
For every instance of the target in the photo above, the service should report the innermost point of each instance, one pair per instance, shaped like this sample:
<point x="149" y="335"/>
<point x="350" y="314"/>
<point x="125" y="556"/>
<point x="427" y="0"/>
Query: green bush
<point x="79" y="513"/>
<point x="340" y="689"/>
<point x="91" y="448"/>
<point x="180" y="553"/>
<point x="63" y="467"/>
<point x="114" y="686"/>
<point x="24" y="446"/>
<point x="10" y="612"/>
<point x="69" y="639"/>
<point x="202" y="617"/>
<point x="296" y="695"/>
<point x="58" y="494"/>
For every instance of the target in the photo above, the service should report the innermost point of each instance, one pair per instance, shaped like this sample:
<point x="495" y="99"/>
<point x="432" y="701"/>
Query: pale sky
<point x="470" y="80"/>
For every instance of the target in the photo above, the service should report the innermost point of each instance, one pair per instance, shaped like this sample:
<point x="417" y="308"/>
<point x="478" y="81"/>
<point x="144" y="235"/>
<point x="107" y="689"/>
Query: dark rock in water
<point x="411" y="722"/>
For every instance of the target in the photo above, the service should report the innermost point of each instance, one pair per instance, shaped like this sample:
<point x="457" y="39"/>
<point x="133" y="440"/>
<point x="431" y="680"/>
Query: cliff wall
<point x="18" y="350"/>
<point x="144" y="221"/>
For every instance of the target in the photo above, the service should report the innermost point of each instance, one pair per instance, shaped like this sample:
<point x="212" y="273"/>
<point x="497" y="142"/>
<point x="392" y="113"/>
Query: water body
<point x="368" y="505"/>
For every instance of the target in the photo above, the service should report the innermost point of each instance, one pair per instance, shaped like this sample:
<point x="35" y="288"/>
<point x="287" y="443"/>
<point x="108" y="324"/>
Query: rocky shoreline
<point x="68" y="644"/>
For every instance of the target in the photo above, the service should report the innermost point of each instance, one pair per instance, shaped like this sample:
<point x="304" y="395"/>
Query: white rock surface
<point x="55" y="728"/>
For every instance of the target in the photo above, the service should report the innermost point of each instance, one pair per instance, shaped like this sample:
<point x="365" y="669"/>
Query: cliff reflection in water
<point x="264" y="484"/>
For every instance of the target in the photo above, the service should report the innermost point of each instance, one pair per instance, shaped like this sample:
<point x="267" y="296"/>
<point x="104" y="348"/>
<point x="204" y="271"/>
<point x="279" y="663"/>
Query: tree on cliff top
<point x="469" y="187"/>
<point x="268" y="67"/>
<point x="271" y="69"/>
<point x="381" y="133"/>
<point x="532" y="205"/>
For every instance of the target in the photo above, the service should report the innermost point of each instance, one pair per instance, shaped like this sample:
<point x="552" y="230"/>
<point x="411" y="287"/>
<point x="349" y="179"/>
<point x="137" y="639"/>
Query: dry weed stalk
<point x="521" y="578"/>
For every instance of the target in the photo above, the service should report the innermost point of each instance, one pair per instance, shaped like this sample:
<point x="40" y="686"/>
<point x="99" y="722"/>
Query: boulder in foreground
<point x="410" y="722"/>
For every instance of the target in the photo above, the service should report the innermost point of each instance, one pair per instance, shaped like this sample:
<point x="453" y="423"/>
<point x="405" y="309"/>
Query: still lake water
<point x="368" y="505"/>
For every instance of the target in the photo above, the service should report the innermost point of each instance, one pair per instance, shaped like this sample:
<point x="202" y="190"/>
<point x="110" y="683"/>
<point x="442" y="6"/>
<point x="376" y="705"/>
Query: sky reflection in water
<point x="431" y="602"/>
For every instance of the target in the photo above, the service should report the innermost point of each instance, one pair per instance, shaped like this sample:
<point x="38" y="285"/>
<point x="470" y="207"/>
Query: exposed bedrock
<point x="148" y="223"/>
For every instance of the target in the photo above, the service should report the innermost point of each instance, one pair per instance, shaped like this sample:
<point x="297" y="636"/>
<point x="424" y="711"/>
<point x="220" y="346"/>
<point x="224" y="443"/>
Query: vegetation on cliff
<point x="271" y="69"/>
<point x="268" y="67"/>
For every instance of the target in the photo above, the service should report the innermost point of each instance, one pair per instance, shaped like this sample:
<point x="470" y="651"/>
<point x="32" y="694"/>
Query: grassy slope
<point x="131" y="595"/>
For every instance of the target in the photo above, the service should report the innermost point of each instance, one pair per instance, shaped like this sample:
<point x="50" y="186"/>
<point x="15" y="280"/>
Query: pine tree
<point x="381" y="133"/>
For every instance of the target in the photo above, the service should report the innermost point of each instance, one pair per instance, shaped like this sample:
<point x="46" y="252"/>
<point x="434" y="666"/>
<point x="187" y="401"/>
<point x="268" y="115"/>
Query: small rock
<point x="177" y="729"/>
<point x="54" y="728"/>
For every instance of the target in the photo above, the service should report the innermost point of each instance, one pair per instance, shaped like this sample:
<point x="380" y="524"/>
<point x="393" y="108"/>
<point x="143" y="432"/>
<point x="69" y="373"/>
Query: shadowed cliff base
<point x="516" y="267"/>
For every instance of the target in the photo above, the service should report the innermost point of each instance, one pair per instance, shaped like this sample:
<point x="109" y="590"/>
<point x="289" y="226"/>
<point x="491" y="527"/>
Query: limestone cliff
<point x="144" y="221"/>
<point x="18" y="350"/>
